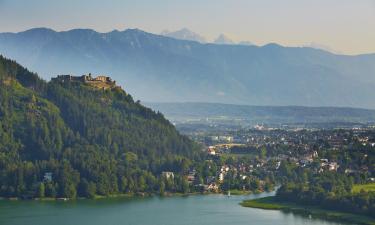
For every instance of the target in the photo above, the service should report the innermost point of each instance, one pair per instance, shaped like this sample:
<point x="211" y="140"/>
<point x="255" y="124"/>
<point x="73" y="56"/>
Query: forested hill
<point x="68" y="139"/>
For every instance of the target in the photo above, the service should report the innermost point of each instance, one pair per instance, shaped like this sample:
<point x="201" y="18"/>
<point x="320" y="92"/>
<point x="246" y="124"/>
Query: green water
<point x="191" y="210"/>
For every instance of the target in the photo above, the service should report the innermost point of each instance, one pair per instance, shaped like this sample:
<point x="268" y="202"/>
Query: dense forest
<point x="70" y="140"/>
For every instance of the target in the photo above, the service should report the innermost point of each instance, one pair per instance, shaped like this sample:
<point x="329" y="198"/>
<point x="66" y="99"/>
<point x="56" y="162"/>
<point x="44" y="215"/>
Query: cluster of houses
<point x="325" y="164"/>
<point x="298" y="146"/>
<point x="222" y="138"/>
<point x="209" y="186"/>
<point x="334" y="139"/>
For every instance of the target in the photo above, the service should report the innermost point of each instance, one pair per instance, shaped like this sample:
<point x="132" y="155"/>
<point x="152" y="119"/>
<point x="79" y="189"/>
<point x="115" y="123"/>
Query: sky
<point x="345" y="26"/>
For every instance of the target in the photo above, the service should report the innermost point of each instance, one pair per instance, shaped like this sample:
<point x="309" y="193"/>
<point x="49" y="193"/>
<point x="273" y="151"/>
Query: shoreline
<point x="139" y="194"/>
<point x="271" y="203"/>
<point x="127" y="195"/>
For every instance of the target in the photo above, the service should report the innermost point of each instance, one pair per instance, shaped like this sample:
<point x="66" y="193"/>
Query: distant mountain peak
<point x="245" y="43"/>
<point x="321" y="47"/>
<point x="272" y="45"/>
<point x="39" y="30"/>
<point x="136" y="30"/>
<point x="223" y="39"/>
<point x="186" y="30"/>
<point x="81" y="31"/>
<point x="184" y="34"/>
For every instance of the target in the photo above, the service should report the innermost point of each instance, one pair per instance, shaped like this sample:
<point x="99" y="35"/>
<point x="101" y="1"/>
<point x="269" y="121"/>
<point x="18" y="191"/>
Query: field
<point x="263" y="203"/>
<point x="366" y="187"/>
<point x="238" y="192"/>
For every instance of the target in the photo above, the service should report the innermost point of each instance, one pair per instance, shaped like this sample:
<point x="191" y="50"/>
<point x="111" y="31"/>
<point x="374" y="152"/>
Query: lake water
<point x="191" y="210"/>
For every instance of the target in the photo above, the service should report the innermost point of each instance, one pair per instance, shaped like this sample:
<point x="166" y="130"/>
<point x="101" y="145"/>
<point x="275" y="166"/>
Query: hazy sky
<point x="347" y="26"/>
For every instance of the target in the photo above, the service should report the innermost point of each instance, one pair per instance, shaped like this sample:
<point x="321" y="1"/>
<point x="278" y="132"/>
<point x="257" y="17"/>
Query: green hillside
<point x="91" y="141"/>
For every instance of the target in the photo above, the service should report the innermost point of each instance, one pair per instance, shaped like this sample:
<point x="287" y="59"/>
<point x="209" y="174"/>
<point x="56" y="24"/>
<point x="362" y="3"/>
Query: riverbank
<point x="271" y="203"/>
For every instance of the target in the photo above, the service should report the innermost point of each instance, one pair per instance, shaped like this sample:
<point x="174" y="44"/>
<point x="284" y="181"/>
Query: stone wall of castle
<point x="99" y="81"/>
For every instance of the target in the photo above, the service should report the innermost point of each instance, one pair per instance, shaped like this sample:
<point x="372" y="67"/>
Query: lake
<point x="190" y="210"/>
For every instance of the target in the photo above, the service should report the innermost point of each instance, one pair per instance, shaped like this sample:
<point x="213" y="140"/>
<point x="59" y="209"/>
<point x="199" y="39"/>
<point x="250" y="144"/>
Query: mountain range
<point x="157" y="68"/>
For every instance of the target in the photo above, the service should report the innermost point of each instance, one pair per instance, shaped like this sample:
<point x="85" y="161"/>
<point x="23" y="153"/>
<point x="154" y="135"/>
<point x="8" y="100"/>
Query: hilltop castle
<point x="99" y="81"/>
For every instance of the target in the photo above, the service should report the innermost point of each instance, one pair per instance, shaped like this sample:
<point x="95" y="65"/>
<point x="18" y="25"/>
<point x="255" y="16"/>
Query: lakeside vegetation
<point x="357" y="188"/>
<point x="274" y="203"/>
<point x="263" y="203"/>
<point x="331" y="191"/>
<point x="326" y="194"/>
<point x="239" y="192"/>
